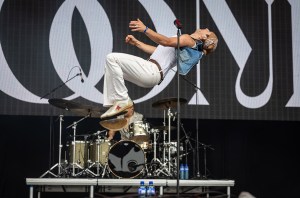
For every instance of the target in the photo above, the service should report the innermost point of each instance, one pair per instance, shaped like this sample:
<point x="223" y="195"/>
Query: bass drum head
<point x="126" y="159"/>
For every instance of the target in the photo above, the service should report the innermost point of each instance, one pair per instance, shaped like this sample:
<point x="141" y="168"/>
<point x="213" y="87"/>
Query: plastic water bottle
<point x="151" y="190"/>
<point x="186" y="171"/>
<point x="142" y="190"/>
<point x="182" y="171"/>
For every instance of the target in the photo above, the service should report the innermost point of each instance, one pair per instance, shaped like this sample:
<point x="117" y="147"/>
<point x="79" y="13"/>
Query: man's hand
<point x="131" y="40"/>
<point x="137" y="26"/>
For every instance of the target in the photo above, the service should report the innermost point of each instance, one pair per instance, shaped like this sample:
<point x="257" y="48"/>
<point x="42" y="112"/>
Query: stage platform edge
<point x="97" y="185"/>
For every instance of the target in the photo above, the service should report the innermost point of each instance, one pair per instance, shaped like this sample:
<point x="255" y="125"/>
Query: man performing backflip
<point x="146" y="73"/>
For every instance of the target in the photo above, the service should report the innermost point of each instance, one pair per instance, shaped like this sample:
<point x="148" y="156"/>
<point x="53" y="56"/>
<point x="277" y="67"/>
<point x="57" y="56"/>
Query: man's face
<point x="203" y="33"/>
<point x="211" y="42"/>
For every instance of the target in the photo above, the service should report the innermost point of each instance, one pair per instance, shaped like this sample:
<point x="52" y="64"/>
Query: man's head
<point x="209" y="39"/>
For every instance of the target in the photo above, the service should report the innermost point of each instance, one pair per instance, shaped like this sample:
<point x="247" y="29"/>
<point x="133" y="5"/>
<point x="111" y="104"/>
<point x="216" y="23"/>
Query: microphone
<point x="81" y="75"/>
<point x="178" y="24"/>
<point x="132" y="166"/>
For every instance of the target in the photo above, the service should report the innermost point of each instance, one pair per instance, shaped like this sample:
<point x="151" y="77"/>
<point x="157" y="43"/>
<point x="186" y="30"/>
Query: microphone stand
<point x="59" y="86"/>
<point x="204" y="158"/>
<point x="178" y="108"/>
<point x="59" y="164"/>
<point x="197" y="125"/>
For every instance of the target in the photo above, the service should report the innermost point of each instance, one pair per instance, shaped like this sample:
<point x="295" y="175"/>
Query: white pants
<point x="120" y="67"/>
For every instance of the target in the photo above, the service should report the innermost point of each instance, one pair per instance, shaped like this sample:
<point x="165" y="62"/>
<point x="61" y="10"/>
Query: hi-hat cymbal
<point x="164" y="128"/>
<point x="168" y="102"/>
<point x="75" y="107"/>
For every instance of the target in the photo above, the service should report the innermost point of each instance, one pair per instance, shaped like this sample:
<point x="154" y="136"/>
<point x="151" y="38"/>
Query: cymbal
<point x="63" y="104"/>
<point x="164" y="128"/>
<point x="75" y="107"/>
<point x="114" y="124"/>
<point x="168" y="102"/>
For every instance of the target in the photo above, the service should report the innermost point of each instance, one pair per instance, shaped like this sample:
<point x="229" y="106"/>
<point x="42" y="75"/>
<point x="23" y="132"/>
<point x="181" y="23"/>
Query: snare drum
<point x="139" y="131"/>
<point x="99" y="150"/>
<point x="126" y="159"/>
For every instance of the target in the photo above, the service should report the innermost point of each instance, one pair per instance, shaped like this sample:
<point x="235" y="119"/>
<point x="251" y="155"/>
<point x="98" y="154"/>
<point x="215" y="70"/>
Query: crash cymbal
<point x="76" y="107"/>
<point x="168" y="102"/>
<point x="115" y="124"/>
<point x="164" y="128"/>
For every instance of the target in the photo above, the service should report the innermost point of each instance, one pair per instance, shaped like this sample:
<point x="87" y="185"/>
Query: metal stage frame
<point x="120" y="185"/>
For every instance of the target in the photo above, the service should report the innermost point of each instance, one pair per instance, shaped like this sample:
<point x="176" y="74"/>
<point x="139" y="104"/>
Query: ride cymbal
<point x="76" y="107"/>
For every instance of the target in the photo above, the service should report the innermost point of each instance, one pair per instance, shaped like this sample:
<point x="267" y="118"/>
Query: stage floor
<point x="95" y="186"/>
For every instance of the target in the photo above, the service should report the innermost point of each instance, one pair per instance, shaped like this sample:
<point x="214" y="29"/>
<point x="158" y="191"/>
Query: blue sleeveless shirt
<point x="188" y="57"/>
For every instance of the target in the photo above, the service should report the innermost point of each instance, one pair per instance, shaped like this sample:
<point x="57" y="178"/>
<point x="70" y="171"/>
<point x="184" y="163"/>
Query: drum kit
<point x="149" y="152"/>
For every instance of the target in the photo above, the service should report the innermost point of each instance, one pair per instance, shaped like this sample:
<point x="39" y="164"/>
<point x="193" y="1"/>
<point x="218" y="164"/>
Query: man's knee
<point x="111" y="57"/>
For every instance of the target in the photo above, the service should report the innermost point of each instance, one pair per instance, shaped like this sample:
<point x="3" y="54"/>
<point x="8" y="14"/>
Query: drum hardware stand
<point x="165" y="165"/>
<point x="164" y="142"/>
<point x="105" y="170"/>
<point x="162" y="169"/>
<point x="58" y="165"/>
<point x="162" y="166"/>
<point x="154" y="160"/>
<point x="169" y="138"/>
<point x="74" y="125"/>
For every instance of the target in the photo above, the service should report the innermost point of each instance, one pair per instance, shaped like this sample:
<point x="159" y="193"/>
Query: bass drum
<point x="126" y="159"/>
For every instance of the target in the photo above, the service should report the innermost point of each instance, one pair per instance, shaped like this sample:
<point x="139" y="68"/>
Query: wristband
<point x="145" y="29"/>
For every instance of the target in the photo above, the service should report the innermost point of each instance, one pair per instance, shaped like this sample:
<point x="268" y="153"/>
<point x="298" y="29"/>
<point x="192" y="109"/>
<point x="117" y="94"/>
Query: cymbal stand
<point x="164" y="140"/>
<point x="170" y="114"/>
<point x="60" y="145"/>
<point x="166" y="165"/>
<point x="154" y="131"/>
<point x="155" y="159"/>
<point x="58" y="165"/>
<point x="163" y="166"/>
<point x="97" y="163"/>
<point x="74" y="125"/>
